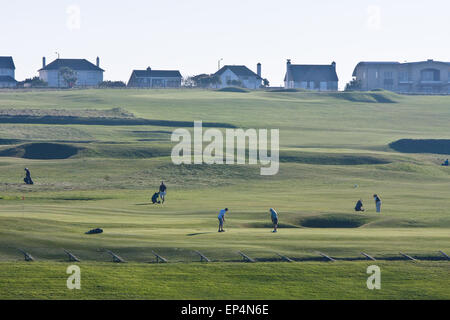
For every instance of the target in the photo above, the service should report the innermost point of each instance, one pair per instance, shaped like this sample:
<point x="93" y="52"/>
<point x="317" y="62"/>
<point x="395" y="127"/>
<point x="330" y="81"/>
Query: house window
<point x="388" y="75"/>
<point x="430" y="75"/>
<point x="403" y="76"/>
<point x="388" y="84"/>
<point x="158" y="83"/>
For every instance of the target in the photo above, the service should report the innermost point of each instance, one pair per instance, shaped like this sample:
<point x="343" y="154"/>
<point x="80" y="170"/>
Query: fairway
<point x="334" y="150"/>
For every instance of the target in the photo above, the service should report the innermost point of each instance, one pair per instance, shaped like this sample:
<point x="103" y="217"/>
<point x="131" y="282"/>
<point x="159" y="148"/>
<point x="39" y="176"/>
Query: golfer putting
<point x="377" y="202"/>
<point x="274" y="217"/>
<point x="221" y="218"/>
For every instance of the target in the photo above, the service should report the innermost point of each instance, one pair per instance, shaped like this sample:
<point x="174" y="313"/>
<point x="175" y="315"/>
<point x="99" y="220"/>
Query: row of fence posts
<point x="246" y="258"/>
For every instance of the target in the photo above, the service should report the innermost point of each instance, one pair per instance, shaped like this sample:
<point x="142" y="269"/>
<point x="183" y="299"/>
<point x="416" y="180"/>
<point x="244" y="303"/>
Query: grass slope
<point x="310" y="280"/>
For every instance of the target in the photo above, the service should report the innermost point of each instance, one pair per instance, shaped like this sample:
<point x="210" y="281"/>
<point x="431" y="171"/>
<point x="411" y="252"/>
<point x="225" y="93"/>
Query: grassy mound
<point x="368" y="97"/>
<point x="41" y="151"/>
<point x="233" y="89"/>
<point x="330" y="158"/>
<point x="439" y="146"/>
<point x="126" y="151"/>
<point x="335" y="221"/>
<point x="9" y="141"/>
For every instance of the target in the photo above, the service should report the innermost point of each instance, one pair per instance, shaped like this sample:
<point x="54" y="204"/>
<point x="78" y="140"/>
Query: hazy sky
<point x="193" y="35"/>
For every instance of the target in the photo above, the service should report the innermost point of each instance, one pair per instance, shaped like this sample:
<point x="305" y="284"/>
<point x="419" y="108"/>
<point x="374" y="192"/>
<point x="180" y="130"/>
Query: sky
<point x="192" y="36"/>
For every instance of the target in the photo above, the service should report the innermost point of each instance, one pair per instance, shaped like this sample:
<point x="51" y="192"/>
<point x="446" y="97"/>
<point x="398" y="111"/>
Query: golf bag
<point x="94" y="231"/>
<point x="155" y="198"/>
<point x="28" y="180"/>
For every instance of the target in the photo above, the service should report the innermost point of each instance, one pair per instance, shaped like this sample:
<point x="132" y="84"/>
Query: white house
<point x="232" y="75"/>
<point x="311" y="77"/>
<point x="150" y="78"/>
<point x="7" y="70"/>
<point x="88" y="74"/>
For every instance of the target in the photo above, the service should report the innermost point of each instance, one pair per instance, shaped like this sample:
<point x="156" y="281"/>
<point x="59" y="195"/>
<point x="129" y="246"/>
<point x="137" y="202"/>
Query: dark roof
<point x="7" y="79"/>
<point x="428" y="61"/>
<point x="373" y="63"/>
<point x="240" y="71"/>
<point x="311" y="72"/>
<point x="148" y="73"/>
<point x="7" y="63"/>
<point x="74" y="64"/>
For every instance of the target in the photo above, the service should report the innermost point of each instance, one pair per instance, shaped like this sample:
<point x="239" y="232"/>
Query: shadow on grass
<point x="197" y="233"/>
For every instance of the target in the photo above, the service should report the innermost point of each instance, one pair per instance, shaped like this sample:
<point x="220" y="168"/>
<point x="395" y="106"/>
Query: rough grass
<point x="330" y="158"/>
<point x="80" y="113"/>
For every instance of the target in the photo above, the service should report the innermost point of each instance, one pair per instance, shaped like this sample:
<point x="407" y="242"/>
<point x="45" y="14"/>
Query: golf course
<point x="96" y="157"/>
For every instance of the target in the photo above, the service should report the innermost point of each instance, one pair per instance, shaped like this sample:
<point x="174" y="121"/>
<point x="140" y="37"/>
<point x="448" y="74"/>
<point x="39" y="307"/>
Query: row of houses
<point x="413" y="77"/>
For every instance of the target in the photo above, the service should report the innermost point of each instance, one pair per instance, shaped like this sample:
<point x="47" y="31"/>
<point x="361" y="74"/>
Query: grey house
<point x="230" y="75"/>
<point x="88" y="74"/>
<point x="150" y="78"/>
<point x="311" y="77"/>
<point x="7" y="73"/>
<point x="411" y="77"/>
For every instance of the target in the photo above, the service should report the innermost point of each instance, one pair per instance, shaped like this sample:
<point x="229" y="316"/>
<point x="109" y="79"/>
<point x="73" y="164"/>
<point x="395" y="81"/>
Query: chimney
<point x="43" y="62"/>
<point x="287" y="78"/>
<point x="98" y="62"/>
<point x="333" y="64"/>
<point x="149" y="69"/>
<point x="258" y="69"/>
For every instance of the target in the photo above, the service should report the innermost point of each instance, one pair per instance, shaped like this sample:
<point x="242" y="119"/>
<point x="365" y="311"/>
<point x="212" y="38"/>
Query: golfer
<point x="162" y="191"/>
<point x="359" y="206"/>
<point x="274" y="216"/>
<point x="377" y="202"/>
<point x="27" y="178"/>
<point x="221" y="218"/>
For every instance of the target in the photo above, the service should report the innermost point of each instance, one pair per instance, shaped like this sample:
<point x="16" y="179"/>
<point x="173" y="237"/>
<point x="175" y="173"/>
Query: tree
<point x="265" y="82"/>
<point x="34" y="82"/>
<point x="214" y="80"/>
<point x="353" y="85"/>
<point x="69" y="76"/>
<point x="188" y="82"/>
<point x="205" y="80"/>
